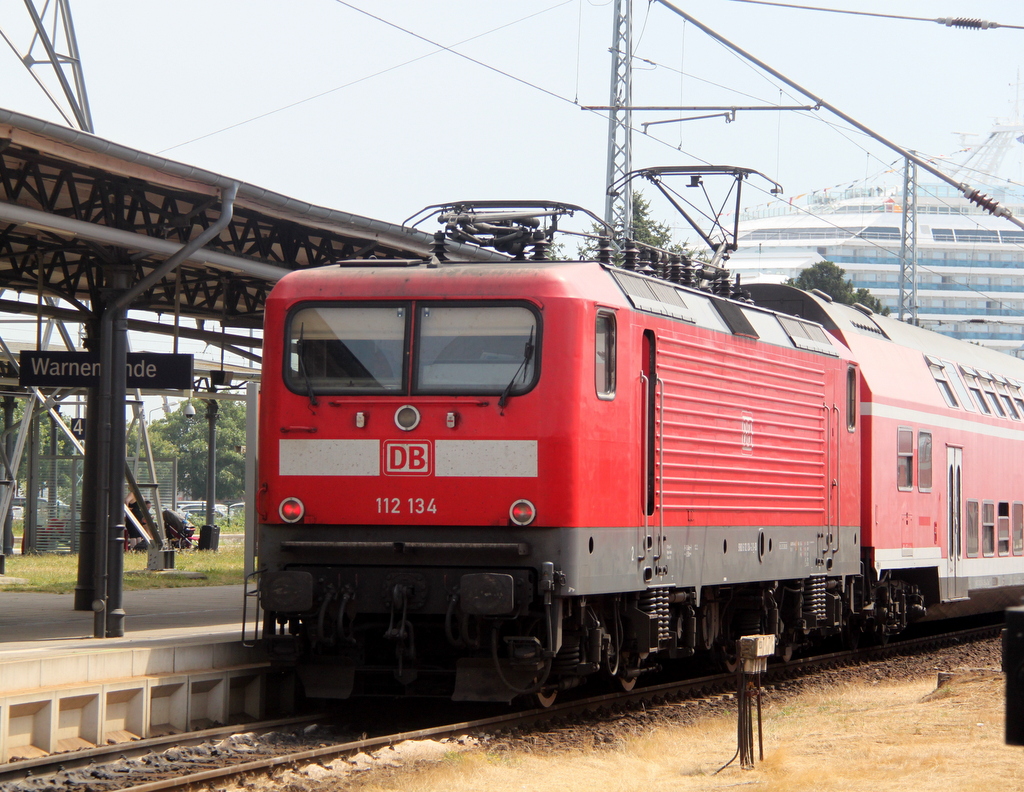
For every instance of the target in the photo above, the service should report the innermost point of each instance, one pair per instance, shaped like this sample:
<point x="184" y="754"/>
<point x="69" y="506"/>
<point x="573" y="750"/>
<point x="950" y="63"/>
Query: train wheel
<point x="545" y="698"/>
<point x="627" y="684"/>
<point x="727" y="658"/>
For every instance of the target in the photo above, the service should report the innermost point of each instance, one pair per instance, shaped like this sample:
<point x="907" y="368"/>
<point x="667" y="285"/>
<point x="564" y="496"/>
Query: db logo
<point x="406" y="459"/>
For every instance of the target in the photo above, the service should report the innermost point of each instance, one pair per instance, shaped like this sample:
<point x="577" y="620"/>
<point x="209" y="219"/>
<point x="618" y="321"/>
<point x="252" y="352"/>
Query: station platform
<point x="180" y="666"/>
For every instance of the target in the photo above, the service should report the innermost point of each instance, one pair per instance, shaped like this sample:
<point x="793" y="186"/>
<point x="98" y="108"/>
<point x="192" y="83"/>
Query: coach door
<point x="954" y="515"/>
<point x="650" y="532"/>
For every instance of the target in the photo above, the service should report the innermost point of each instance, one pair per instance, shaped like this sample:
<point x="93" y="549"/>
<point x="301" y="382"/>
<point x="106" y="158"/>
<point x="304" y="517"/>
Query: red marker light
<point x="522" y="512"/>
<point x="291" y="510"/>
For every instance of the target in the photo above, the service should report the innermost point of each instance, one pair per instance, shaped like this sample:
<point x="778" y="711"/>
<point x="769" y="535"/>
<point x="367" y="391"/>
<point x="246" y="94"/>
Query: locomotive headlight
<point x="522" y="512"/>
<point x="407" y="418"/>
<point x="291" y="510"/>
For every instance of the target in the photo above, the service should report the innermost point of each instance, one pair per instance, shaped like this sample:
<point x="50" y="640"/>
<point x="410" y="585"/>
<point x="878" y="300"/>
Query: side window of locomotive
<point x="924" y="461"/>
<point x="1018" y="528"/>
<point x="480" y="349"/>
<point x="904" y="458"/>
<point x="604" y="356"/>
<point x="972" y="529"/>
<point x="851" y="399"/>
<point x="988" y="528"/>
<point x="1003" y="528"/>
<point x="346" y="349"/>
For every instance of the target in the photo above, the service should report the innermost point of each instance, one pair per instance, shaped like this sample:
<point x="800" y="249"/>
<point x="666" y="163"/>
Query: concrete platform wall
<point x="65" y="702"/>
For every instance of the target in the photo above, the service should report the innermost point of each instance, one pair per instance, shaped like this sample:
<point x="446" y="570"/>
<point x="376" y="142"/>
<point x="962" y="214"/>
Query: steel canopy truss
<point x="72" y="267"/>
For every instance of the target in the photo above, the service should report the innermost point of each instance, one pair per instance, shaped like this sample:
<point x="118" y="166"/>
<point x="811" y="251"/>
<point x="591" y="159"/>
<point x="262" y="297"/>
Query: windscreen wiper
<point x="302" y="370"/>
<point x="527" y="357"/>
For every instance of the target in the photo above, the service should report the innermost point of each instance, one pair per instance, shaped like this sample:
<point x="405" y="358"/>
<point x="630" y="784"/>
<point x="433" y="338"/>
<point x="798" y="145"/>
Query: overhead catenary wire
<point x="441" y="48"/>
<point x="969" y="23"/>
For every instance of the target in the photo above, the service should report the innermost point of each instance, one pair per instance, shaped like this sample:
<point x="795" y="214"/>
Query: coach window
<point x="1018" y="528"/>
<point x="971" y="378"/>
<point x="972" y="529"/>
<point x="604" y="356"/>
<point x="905" y="458"/>
<point x="988" y="528"/>
<point x="938" y="370"/>
<point x="1011" y="410"/>
<point x="1003" y="528"/>
<point x="851" y="398"/>
<point x="924" y="461"/>
<point x="989" y="387"/>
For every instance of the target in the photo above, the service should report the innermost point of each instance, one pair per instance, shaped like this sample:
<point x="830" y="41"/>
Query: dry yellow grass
<point x="854" y="738"/>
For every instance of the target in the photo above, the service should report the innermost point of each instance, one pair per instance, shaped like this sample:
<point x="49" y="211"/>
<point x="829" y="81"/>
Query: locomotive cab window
<point x="478" y="349"/>
<point x="904" y="458"/>
<point x="347" y="349"/>
<point x="604" y="356"/>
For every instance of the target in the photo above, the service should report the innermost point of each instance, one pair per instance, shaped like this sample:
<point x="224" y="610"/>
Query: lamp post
<point x="211" y="464"/>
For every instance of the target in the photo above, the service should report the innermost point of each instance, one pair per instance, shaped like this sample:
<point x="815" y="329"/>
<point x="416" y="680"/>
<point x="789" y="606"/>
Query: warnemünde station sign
<point x="82" y="370"/>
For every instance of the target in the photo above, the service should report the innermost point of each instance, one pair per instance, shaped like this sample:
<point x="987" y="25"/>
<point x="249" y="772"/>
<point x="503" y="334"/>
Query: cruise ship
<point x="970" y="264"/>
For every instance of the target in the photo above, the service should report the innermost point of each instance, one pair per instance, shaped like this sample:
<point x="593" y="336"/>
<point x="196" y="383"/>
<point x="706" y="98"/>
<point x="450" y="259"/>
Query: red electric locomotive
<point x="488" y="480"/>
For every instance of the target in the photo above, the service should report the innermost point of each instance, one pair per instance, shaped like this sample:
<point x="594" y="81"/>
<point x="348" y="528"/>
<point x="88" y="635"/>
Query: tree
<point x="188" y="436"/>
<point x="646" y="231"/>
<point x="831" y="279"/>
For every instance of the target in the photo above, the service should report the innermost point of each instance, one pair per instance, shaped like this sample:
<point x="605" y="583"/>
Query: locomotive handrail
<point x="659" y="472"/>
<point x="641" y="552"/>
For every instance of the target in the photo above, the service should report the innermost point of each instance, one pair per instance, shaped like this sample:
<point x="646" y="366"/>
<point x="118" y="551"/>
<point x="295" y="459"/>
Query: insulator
<point x="540" y="246"/>
<point x="686" y="272"/>
<point x="675" y="269"/>
<point x="963" y="22"/>
<point x="982" y="200"/>
<point x="438" y="248"/>
<point x="629" y="255"/>
<point x="604" y="250"/>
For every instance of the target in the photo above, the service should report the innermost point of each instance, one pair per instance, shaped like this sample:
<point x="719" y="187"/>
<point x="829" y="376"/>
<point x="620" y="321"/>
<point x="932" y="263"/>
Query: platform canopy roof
<point x="74" y="206"/>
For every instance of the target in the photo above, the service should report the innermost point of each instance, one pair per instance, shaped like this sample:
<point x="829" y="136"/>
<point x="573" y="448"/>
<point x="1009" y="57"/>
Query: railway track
<point x="218" y="755"/>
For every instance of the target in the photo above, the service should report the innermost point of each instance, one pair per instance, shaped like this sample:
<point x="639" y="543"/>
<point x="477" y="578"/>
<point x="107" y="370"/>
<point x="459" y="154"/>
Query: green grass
<point x="57" y="573"/>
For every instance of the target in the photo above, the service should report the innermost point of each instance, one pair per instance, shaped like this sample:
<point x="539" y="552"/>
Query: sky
<point x="357" y="105"/>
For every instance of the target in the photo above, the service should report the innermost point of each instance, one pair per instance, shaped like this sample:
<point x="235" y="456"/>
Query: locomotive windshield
<point x="353" y="348"/>
<point x="457" y="349"/>
<point x="478" y="349"/>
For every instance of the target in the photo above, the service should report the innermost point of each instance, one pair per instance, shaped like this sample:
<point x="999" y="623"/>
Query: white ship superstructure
<point x="970" y="264"/>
